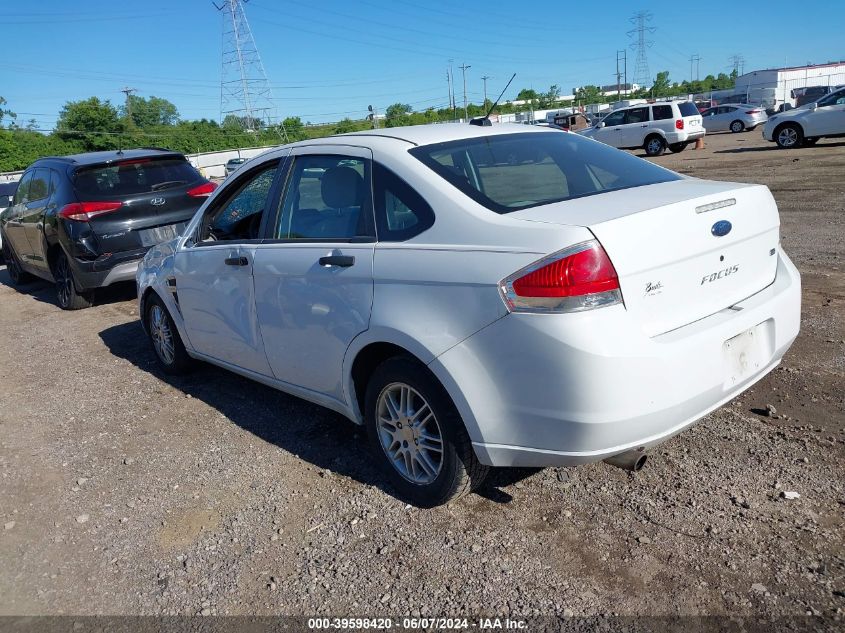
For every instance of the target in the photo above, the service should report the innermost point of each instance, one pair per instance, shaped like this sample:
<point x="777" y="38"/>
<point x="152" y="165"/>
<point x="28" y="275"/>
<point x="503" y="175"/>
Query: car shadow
<point x="319" y="436"/>
<point x="45" y="291"/>
<point x="775" y="148"/>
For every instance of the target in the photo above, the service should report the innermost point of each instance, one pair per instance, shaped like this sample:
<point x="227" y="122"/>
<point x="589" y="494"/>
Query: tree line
<point x="93" y="124"/>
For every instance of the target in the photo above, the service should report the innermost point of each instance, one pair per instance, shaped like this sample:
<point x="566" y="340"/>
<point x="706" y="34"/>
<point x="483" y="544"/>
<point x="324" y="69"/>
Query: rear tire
<point x="167" y="344"/>
<point x="654" y="146"/>
<point x="67" y="295"/>
<point x="418" y="436"/>
<point x="737" y="126"/>
<point x="677" y="148"/>
<point x="789" y="136"/>
<point x="13" y="266"/>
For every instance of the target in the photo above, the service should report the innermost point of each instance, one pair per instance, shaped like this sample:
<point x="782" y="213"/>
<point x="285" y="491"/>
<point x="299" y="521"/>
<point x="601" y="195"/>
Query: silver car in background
<point x="734" y="117"/>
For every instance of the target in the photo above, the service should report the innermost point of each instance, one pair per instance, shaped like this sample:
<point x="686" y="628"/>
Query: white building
<point x="779" y="82"/>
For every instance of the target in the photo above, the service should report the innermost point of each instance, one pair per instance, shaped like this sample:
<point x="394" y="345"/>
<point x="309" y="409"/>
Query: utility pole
<point x="484" y="79"/>
<point x="738" y="63"/>
<point x="128" y="91"/>
<point x="464" y="69"/>
<point x="451" y="79"/>
<point x="624" y="57"/>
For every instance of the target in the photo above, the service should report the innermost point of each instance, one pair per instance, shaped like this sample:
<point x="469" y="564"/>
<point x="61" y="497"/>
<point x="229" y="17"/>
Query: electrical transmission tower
<point x="642" y="76"/>
<point x="244" y="90"/>
<point x="738" y="64"/>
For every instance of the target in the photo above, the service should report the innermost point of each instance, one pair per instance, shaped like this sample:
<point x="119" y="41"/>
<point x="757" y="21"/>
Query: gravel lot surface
<point x="127" y="492"/>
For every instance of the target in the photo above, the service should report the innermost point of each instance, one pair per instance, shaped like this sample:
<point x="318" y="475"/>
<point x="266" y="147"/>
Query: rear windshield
<point x="509" y="172"/>
<point x="134" y="176"/>
<point x="688" y="108"/>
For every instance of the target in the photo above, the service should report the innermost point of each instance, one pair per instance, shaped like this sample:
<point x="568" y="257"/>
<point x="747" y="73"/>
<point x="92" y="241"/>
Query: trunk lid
<point x="683" y="250"/>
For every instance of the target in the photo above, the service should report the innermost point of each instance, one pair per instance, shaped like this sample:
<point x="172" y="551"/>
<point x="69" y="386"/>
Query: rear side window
<point x="688" y="108"/>
<point x="661" y="112"/>
<point x="134" y="176"/>
<point x="637" y="115"/>
<point x="508" y="172"/>
<point x="22" y="194"/>
<point x="39" y="186"/>
<point x="401" y="212"/>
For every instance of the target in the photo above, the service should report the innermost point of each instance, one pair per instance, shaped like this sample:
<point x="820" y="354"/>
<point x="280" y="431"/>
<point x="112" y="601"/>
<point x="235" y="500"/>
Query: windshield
<point x="508" y="172"/>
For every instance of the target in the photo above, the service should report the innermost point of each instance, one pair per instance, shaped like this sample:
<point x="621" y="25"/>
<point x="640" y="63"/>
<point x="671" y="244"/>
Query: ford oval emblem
<point x="721" y="228"/>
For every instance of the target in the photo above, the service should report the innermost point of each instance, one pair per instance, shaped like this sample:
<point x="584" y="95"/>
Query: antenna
<point x="244" y="89"/>
<point x="485" y="120"/>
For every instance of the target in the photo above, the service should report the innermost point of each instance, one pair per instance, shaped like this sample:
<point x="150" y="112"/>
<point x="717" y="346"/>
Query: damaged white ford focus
<point x="479" y="296"/>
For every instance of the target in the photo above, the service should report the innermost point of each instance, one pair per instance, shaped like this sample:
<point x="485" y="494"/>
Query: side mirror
<point x="814" y="106"/>
<point x="600" y="124"/>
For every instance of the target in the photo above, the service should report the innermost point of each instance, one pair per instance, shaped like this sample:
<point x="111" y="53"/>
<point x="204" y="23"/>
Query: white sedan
<point x="806" y="125"/>
<point x="480" y="296"/>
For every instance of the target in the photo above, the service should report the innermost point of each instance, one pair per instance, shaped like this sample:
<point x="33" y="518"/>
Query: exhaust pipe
<point x="632" y="460"/>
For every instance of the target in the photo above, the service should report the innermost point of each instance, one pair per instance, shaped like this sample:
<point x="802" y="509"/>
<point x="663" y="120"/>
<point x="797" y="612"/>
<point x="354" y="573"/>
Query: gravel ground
<point x="128" y="492"/>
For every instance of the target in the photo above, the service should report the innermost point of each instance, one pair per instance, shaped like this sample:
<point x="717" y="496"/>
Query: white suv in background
<point x="809" y="123"/>
<point x="652" y="127"/>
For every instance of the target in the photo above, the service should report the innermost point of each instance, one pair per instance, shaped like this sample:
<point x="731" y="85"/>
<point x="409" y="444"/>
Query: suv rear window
<point x="134" y="176"/>
<point x="508" y="172"/>
<point x="688" y="108"/>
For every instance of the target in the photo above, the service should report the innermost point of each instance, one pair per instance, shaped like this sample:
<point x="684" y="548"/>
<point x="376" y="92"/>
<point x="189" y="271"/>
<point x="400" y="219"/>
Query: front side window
<point x="39" y="187"/>
<point x="326" y="199"/>
<point x="617" y="118"/>
<point x="22" y="194"/>
<point x="508" y="172"/>
<point x="835" y="98"/>
<point x="238" y="216"/>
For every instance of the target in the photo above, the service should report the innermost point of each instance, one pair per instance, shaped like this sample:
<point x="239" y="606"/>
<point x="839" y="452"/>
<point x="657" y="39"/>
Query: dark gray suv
<point x="85" y="221"/>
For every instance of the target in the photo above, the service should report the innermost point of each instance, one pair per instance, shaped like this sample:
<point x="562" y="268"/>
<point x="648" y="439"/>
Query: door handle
<point x="237" y="261"/>
<point x="644" y="126"/>
<point x="344" y="261"/>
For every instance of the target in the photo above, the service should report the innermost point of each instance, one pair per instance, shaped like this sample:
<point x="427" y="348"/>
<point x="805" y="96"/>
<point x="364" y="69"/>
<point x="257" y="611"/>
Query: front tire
<point x="737" y="126"/>
<point x="13" y="266"/>
<point x="167" y="344"/>
<point x="654" y="146"/>
<point x="677" y="148"/>
<point x="68" y="297"/>
<point x="418" y="435"/>
<point x="789" y="136"/>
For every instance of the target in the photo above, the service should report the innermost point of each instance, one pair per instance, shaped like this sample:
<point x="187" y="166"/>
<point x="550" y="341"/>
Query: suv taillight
<point x="581" y="277"/>
<point x="679" y="124"/>
<point x="203" y="191"/>
<point x="84" y="211"/>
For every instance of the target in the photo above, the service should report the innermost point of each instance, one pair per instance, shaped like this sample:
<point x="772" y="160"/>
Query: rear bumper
<point x="107" y="269"/>
<point x="540" y="390"/>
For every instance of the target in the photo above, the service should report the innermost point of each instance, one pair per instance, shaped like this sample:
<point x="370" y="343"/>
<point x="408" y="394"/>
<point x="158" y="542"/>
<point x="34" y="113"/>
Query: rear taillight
<point x="752" y="111"/>
<point x="679" y="124"/>
<point x="581" y="277"/>
<point x="84" y="211"/>
<point x="203" y="191"/>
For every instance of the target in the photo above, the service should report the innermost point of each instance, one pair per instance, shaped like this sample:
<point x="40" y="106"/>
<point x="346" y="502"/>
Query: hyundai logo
<point x="721" y="228"/>
<point x="157" y="202"/>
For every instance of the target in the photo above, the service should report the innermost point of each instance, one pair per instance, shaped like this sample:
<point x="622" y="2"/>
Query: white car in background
<point x="655" y="127"/>
<point x="807" y="124"/>
<point x="732" y="117"/>
<point x="479" y="296"/>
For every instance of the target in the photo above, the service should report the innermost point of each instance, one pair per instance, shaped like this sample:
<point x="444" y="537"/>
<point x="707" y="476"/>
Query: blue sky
<point x="331" y="59"/>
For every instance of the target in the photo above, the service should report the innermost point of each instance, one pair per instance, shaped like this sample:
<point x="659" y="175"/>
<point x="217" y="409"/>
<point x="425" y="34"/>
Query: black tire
<point x="654" y="145"/>
<point x="811" y="141"/>
<point x="459" y="469"/>
<point x="13" y="266"/>
<point x="789" y="136"/>
<point x="737" y="126"/>
<point x="160" y="328"/>
<point x="68" y="295"/>
<point x="677" y="148"/>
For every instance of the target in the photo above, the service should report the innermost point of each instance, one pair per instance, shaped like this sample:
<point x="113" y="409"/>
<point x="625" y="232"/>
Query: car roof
<point x="429" y="134"/>
<point x="94" y="158"/>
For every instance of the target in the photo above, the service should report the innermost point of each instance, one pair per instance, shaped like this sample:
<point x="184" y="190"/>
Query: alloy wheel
<point x="409" y="433"/>
<point x="787" y="137"/>
<point x="64" y="282"/>
<point x="737" y="126"/>
<point x="654" y="147"/>
<point x="162" y="335"/>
